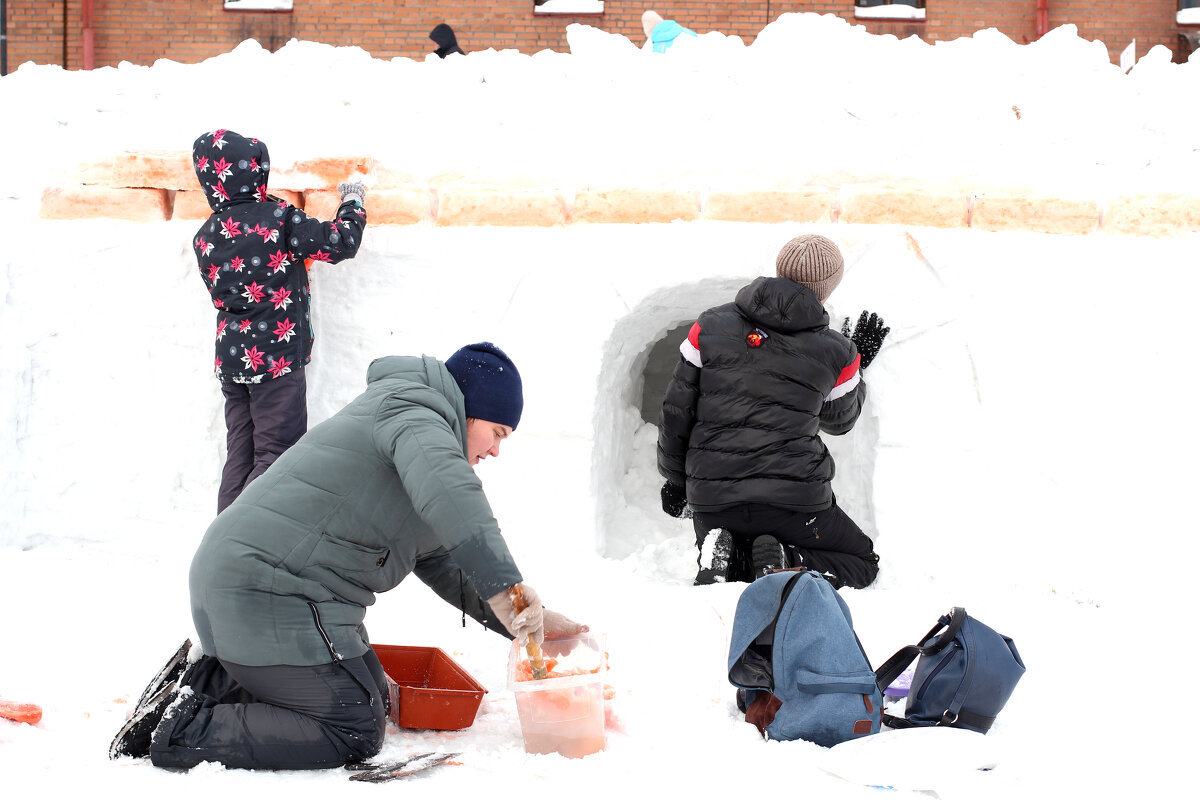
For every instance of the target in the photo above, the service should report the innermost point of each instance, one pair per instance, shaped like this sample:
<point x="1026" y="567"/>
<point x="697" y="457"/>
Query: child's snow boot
<point x="716" y="558"/>
<point x="767" y="554"/>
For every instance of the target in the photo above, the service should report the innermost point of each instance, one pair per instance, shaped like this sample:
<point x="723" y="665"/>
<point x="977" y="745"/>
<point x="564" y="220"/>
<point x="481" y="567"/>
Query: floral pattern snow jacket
<point x="759" y="380"/>
<point x="252" y="252"/>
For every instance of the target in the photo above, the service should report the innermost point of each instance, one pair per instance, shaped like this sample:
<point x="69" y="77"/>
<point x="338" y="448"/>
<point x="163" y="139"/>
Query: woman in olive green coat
<point x="282" y="579"/>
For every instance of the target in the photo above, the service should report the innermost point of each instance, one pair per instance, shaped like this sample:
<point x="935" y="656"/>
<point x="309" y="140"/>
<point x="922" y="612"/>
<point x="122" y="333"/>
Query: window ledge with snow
<point x="569" y="7"/>
<point x="1188" y="16"/>
<point x="897" y="11"/>
<point x="258" y="5"/>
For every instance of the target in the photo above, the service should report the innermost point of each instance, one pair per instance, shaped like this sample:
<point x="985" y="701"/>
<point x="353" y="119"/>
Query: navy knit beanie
<point x="490" y="383"/>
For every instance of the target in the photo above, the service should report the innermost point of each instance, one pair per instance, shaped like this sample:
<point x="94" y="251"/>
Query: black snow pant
<point x="825" y="541"/>
<point x="262" y="420"/>
<point x="276" y="717"/>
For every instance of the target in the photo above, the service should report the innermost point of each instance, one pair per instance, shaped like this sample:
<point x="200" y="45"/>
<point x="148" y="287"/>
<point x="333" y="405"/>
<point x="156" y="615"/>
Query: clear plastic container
<point x="564" y="713"/>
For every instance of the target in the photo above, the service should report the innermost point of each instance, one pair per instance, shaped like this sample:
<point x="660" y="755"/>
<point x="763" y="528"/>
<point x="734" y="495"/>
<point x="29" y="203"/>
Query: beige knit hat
<point x="649" y="20"/>
<point x="813" y="261"/>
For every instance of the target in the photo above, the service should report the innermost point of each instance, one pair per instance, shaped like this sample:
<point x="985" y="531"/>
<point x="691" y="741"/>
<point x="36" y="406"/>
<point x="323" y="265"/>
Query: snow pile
<point x="1021" y="454"/>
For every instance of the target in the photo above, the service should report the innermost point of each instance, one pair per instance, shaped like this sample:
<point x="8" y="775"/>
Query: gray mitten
<point x="352" y="190"/>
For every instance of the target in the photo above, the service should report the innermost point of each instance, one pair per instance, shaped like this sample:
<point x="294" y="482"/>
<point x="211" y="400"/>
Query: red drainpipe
<point x="89" y="41"/>
<point x="1043" y="18"/>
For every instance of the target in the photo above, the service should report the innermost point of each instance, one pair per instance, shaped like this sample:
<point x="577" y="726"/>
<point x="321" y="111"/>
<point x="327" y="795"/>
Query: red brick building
<point x="82" y="34"/>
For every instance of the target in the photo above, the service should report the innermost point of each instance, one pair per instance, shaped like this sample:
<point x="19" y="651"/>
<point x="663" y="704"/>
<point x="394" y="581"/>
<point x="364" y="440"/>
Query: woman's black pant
<point x="275" y="717"/>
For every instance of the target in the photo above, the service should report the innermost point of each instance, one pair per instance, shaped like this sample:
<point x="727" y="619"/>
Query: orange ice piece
<point x="30" y="713"/>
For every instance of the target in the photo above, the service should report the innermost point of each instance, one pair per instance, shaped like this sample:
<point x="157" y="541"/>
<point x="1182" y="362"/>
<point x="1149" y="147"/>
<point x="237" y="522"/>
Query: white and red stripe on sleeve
<point x="847" y="381"/>
<point x="690" y="347"/>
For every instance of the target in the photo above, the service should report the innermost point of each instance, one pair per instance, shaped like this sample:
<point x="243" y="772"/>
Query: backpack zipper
<point x="941" y="665"/>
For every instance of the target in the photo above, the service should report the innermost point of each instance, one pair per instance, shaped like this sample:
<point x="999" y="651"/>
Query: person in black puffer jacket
<point x="447" y="43"/>
<point x="740" y="430"/>
<point x="252" y="252"/>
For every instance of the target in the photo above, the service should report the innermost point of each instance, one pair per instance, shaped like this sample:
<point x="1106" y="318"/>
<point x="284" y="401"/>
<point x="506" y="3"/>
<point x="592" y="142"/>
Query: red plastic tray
<point x="428" y="689"/>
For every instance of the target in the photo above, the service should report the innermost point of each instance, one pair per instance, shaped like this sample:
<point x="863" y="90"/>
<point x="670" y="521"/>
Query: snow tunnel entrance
<point x="660" y="365"/>
<point x="638" y="361"/>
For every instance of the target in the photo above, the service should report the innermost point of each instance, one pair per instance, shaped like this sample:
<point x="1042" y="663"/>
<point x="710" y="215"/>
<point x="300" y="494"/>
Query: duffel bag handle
<point x="891" y="669"/>
<point x="953" y="623"/>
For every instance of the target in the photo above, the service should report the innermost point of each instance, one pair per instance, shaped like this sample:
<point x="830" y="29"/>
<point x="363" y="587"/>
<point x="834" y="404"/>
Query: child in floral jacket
<point x="252" y="253"/>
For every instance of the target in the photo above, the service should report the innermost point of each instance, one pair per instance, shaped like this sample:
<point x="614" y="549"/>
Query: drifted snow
<point x="1025" y="451"/>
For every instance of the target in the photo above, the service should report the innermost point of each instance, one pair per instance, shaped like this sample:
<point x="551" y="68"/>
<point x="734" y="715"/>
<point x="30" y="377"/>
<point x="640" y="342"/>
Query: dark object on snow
<point x="447" y="43"/>
<point x="965" y="675"/>
<point x="135" y="736"/>
<point x="391" y="770"/>
<point x="170" y="673"/>
<point x="868" y="336"/>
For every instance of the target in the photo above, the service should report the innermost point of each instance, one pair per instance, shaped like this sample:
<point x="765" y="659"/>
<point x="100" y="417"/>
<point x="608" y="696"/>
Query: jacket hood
<point x="231" y="168"/>
<point x="443" y="36"/>
<point x="781" y="305"/>
<point x="420" y="371"/>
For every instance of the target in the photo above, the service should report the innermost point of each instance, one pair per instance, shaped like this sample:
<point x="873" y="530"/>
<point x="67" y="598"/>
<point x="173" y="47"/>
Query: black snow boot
<point x="170" y="672"/>
<point x="716" y="558"/>
<point x="133" y="739"/>
<point x="767" y="555"/>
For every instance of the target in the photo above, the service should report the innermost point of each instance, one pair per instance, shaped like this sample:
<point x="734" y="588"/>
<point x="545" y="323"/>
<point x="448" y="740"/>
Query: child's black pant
<point x="276" y="717"/>
<point x="262" y="420"/>
<point x="826" y="541"/>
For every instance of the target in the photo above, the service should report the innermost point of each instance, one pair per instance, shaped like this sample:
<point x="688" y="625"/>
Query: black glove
<point x="674" y="500"/>
<point x="868" y="336"/>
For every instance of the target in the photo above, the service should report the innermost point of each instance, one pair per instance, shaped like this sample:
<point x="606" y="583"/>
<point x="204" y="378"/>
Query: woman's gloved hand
<point x="525" y="626"/>
<point x="557" y="625"/>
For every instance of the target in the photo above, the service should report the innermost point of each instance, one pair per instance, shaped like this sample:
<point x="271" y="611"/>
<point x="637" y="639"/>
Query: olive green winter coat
<point x="381" y="489"/>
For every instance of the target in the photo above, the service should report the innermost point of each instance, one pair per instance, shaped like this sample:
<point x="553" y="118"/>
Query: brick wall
<point x="188" y="31"/>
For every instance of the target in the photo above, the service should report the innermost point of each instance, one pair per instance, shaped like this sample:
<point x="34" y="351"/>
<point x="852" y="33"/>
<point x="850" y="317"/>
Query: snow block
<point x="1000" y="212"/>
<point x="1152" y="215"/>
<point x="106" y="202"/>
<point x="408" y="206"/>
<point x="489" y="206"/>
<point x="155" y="169"/>
<point x="190" y="205"/>
<point x="323" y="204"/>
<point x="812" y="205"/>
<point x="888" y="206"/>
<point x="634" y="205"/>
<point x="99" y="171"/>
<point x="384" y="206"/>
<point x="317" y="173"/>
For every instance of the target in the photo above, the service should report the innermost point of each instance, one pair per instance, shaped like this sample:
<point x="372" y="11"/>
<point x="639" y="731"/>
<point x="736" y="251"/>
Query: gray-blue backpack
<point x="795" y="654"/>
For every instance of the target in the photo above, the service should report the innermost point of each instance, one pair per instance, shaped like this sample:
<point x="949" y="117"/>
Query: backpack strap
<point x="891" y="669"/>
<point x="970" y="656"/>
<point x="963" y="717"/>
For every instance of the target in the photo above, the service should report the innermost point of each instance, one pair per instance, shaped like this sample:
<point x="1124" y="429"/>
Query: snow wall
<point x="965" y="423"/>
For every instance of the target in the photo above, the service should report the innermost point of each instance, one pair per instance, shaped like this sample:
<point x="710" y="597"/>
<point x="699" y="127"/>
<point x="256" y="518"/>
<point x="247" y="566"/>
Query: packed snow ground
<point x="1023" y="452"/>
